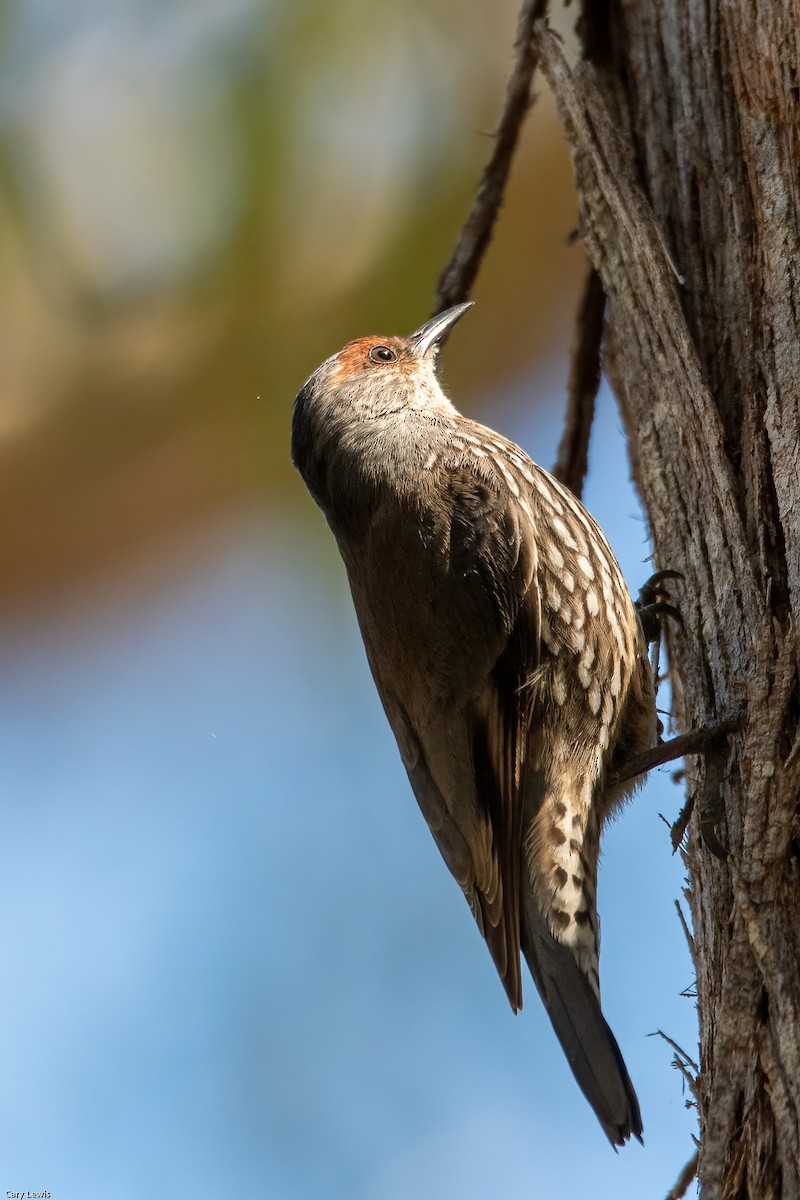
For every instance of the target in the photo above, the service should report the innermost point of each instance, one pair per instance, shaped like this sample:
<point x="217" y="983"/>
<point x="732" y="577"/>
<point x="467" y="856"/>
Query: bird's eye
<point x="382" y="354"/>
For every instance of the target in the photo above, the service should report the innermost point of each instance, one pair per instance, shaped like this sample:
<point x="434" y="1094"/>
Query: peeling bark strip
<point x="584" y="382"/>
<point x="684" y="125"/>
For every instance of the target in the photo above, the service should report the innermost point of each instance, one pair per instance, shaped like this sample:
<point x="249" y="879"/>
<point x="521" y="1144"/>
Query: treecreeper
<point x="509" y="658"/>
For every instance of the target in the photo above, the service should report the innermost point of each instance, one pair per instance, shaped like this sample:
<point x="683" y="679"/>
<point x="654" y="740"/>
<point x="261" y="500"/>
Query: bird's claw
<point x="654" y="603"/>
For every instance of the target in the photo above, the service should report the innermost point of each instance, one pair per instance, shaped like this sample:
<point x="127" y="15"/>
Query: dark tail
<point x="587" y="1041"/>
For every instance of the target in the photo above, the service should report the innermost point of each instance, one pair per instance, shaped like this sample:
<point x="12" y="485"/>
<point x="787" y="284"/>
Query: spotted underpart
<point x="582" y="690"/>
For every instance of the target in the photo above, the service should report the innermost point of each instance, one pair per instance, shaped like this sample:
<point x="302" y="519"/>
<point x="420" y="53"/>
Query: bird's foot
<point x="654" y="603"/>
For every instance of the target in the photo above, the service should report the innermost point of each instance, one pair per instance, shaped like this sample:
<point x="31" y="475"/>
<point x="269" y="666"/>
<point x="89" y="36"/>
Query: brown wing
<point x="462" y="727"/>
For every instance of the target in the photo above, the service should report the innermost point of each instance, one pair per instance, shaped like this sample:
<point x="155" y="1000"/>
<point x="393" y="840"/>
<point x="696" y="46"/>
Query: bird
<point x="509" y="659"/>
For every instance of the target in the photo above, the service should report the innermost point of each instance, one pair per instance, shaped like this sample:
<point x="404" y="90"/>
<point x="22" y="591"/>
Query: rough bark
<point x="684" y="122"/>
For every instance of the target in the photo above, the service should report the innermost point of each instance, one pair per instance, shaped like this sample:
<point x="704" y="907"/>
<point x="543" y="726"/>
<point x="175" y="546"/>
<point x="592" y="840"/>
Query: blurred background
<point x="231" y="957"/>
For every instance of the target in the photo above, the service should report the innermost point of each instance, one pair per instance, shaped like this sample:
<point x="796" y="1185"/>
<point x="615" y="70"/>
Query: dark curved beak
<point x="426" y="339"/>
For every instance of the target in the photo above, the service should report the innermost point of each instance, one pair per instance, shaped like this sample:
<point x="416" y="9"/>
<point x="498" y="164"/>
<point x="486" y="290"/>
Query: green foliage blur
<point x="199" y="202"/>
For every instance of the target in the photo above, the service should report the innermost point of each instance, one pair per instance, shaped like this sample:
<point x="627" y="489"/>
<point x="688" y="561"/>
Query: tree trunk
<point x="684" y="121"/>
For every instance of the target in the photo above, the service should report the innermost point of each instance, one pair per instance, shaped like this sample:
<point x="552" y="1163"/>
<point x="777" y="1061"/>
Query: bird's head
<point x="375" y="376"/>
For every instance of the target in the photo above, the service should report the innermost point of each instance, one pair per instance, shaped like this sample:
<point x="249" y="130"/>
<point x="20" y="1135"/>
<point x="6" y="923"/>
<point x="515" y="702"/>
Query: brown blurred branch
<point x="456" y="280"/>
<point x="584" y="381"/>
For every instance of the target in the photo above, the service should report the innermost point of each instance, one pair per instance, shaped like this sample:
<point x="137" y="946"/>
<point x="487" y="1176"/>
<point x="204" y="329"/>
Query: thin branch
<point x="455" y="282"/>
<point x="696" y="741"/>
<point x="689" y="1080"/>
<point x="684" y="1180"/>
<point x="584" y="381"/>
<point x="687" y="933"/>
<point x="682" y="1063"/>
<point x="679" y="1052"/>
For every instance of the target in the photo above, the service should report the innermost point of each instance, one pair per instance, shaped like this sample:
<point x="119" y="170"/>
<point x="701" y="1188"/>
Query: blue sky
<point x="232" y="958"/>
